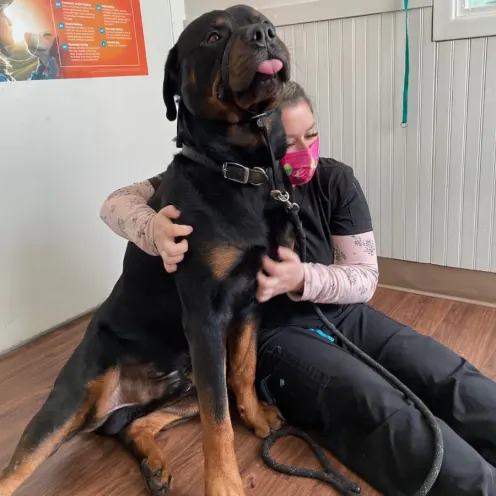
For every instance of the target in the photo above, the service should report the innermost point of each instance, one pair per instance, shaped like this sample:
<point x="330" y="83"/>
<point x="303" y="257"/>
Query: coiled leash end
<point x="329" y="474"/>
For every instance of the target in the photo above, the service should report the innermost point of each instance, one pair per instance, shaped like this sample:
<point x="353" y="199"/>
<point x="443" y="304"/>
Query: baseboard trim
<point x="435" y="280"/>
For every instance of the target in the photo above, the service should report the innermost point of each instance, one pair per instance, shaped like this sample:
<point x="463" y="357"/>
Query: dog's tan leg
<point x="222" y="477"/>
<point x="140" y="436"/>
<point x="243" y="362"/>
<point x="205" y="329"/>
<point x="70" y="407"/>
<point x="40" y="440"/>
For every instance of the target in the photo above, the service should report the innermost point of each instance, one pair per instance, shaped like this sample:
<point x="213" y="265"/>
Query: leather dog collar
<point x="231" y="171"/>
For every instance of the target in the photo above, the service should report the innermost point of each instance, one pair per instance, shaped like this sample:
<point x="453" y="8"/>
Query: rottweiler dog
<point x="158" y="350"/>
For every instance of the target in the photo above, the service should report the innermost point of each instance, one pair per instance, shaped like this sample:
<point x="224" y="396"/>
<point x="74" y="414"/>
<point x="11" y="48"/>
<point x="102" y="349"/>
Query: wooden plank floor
<point x="92" y="466"/>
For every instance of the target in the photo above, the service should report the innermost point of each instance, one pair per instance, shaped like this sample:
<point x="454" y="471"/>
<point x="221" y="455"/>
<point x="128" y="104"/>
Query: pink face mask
<point x="301" y="166"/>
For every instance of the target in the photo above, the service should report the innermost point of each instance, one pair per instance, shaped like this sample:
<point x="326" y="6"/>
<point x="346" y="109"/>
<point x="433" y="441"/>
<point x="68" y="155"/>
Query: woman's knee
<point x="397" y="456"/>
<point x="325" y="386"/>
<point x="291" y="383"/>
<point x="464" y="471"/>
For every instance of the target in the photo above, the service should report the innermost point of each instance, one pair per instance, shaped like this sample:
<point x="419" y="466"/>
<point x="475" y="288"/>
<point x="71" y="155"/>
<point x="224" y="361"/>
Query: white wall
<point x="65" y="146"/>
<point x="432" y="186"/>
<point x="285" y="12"/>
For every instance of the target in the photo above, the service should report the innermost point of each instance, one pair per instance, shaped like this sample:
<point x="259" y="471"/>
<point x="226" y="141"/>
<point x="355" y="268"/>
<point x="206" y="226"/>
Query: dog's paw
<point x="273" y="421"/>
<point x="158" y="481"/>
<point x="263" y="419"/>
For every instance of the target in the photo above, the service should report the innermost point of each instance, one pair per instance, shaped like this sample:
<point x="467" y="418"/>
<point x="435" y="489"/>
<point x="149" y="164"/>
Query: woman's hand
<point x="286" y="276"/>
<point x="165" y="233"/>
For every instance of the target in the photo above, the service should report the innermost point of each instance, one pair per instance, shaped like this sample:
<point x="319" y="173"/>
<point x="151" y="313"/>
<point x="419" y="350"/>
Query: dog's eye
<point x="213" y="38"/>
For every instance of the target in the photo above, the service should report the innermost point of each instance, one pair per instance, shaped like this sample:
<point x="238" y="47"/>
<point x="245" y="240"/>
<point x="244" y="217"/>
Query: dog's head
<point x="225" y="63"/>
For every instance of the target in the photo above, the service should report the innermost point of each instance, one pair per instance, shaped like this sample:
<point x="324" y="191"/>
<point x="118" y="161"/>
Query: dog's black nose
<point x="262" y="35"/>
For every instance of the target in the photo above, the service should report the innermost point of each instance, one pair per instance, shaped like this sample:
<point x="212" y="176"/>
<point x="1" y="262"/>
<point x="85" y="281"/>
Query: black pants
<point x="369" y="425"/>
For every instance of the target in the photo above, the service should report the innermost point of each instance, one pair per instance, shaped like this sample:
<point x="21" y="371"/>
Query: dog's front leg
<point x="205" y="334"/>
<point x="242" y="347"/>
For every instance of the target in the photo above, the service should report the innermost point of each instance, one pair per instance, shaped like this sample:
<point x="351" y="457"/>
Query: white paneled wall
<point x="431" y="186"/>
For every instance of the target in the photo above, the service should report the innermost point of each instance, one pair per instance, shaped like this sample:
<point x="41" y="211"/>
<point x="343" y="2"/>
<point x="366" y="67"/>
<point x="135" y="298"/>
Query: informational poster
<point x="67" y="39"/>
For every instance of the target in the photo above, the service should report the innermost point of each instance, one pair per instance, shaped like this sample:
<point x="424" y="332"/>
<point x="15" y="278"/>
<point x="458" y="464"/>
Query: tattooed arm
<point x="352" y="279"/>
<point x="354" y="275"/>
<point x="126" y="212"/>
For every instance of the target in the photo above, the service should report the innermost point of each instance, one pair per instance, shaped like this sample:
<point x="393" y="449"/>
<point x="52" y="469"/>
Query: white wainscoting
<point x="431" y="186"/>
<point x="285" y="12"/>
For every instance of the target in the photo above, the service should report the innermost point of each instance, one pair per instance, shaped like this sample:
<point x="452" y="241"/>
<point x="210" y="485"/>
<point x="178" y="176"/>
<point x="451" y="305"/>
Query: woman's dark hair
<point x="292" y="95"/>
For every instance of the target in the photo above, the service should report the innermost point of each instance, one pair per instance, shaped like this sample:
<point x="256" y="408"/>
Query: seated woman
<point x="364" y="421"/>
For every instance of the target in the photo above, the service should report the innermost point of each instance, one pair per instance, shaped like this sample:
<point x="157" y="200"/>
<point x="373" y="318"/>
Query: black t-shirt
<point x="332" y="203"/>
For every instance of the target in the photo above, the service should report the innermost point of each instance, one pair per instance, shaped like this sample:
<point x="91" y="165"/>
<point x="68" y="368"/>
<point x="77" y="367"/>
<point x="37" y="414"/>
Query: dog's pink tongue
<point x="272" y="66"/>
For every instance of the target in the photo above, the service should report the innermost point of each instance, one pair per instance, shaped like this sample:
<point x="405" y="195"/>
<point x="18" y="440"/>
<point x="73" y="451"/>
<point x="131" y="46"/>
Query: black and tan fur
<point x="130" y="377"/>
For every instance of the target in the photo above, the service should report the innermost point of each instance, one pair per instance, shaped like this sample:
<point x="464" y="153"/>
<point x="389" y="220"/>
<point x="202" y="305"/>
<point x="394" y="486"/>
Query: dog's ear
<point x="171" y="83"/>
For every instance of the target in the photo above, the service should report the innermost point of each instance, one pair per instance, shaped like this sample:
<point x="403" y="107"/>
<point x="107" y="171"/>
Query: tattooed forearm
<point x="339" y="254"/>
<point x="353" y="277"/>
<point x="126" y="212"/>
<point x="365" y="242"/>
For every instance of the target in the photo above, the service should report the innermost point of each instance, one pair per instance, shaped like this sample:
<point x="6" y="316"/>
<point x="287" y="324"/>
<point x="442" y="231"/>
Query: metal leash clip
<point x="284" y="198"/>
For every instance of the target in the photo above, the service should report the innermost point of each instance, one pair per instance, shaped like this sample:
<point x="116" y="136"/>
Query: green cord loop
<point x="404" y="121"/>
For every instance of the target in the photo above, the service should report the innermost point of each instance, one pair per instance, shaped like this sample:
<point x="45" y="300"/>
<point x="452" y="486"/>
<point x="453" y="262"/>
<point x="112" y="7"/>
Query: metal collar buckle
<point x="244" y="177"/>
<point x="236" y="179"/>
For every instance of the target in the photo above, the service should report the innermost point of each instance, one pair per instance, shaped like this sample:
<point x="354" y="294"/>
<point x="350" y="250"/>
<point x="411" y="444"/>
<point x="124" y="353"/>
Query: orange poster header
<point x="66" y="39"/>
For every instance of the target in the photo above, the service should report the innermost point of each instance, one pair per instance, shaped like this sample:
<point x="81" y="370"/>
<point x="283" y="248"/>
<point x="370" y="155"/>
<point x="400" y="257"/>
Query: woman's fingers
<point x="263" y="296"/>
<point x="165" y="233"/>
<point x="182" y="247"/>
<point x="287" y="255"/>
<point x="177" y="230"/>
<point x="262" y="279"/>
<point x="171" y="212"/>
<point x="165" y="217"/>
<point x="266" y="287"/>
<point x="271" y="267"/>
<point x="173" y="260"/>
<point x="170" y="268"/>
<point x="173" y="249"/>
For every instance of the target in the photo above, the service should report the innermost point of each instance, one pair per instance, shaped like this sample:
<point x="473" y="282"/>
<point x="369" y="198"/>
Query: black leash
<point x="279" y="194"/>
<point x="329" y="475"/>
<point x="255" y="177"/>
<point x="433" y="474"/>
<point x="236" y="172"/>
<point x="343" y="485"/>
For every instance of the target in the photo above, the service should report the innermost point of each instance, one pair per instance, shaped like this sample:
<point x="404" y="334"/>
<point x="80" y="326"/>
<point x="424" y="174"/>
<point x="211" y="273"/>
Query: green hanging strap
<point x="404" y="121"/>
